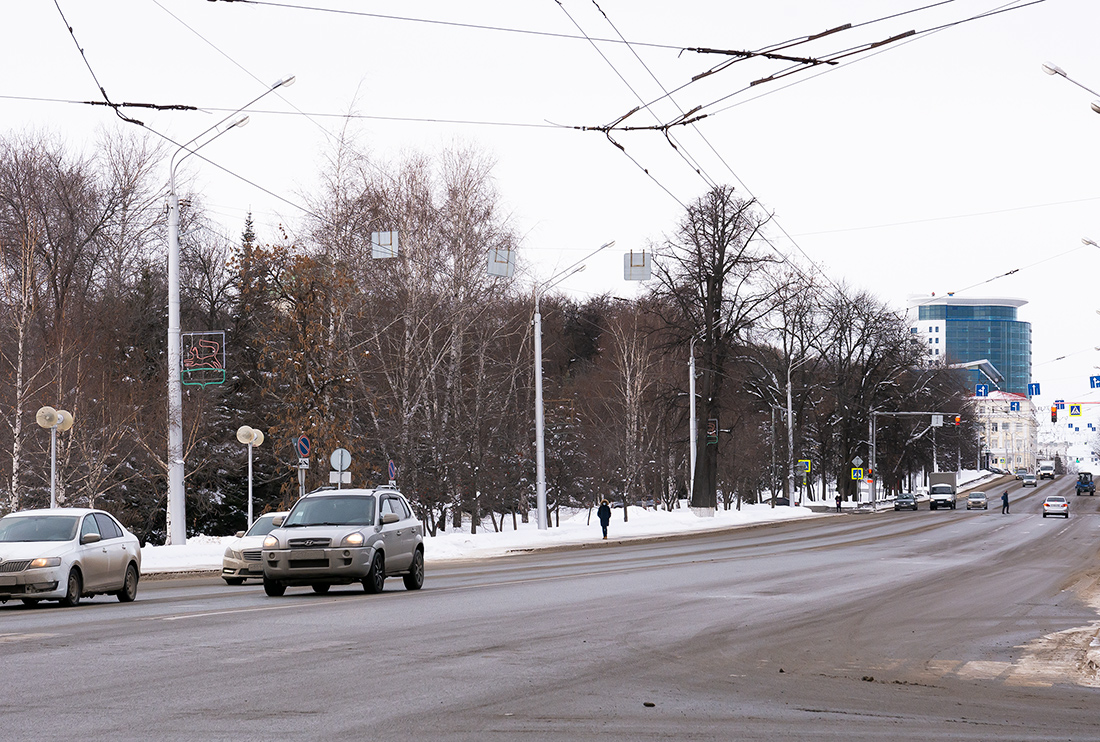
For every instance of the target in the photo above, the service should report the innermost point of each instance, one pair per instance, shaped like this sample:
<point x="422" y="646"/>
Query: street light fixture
<point x="48" y="417"/>
<point x="177" y="499"/>
<point x="251" y="437"/>
<point x="540" y="445"/>
<point x="1052" y="69"/>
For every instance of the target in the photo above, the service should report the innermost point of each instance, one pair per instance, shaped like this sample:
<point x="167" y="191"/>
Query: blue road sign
<point x="301" y="445"/>
<point x="1075" y="410"/>
<point x="1033" y="389"/>
<point x="393" y="470"/>
<point x="1060" y="404"/>
<point x="981" y="390"/>
<point x="1013" y="406"/>
<point x="1094" y="381"/>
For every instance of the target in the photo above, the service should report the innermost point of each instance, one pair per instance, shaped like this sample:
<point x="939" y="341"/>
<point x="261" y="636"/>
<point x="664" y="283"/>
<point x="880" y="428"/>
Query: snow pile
<point x="205" y="552"/>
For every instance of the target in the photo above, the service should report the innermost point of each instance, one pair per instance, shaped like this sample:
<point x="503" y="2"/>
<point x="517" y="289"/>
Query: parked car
<point x="1056" y="505"/>
<point x="1029" y="480"/>
<point x="242" y="556"/>
<point x="905" y="501"/>
<point x="337" y="537"/>
<point x="66" y="554"/>
<point x="977" y="501"/>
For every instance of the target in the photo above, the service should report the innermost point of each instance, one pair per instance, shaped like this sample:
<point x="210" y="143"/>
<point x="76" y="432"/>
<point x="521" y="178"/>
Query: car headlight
<point x="230" y="554"/>
<point x="352" y="539"/>
<point x="271" y="543"/>
<point x="45" y="562"/>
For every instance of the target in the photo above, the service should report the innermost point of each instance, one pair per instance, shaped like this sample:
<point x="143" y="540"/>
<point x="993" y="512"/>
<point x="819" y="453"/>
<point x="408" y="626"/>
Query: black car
<point x="905" y="501"/>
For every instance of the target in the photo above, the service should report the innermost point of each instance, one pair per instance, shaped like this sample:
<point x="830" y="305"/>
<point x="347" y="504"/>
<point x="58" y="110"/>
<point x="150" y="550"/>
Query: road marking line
<point x="232" y="611"/>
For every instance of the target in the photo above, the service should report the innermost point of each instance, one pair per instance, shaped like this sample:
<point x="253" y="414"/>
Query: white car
<point x="1056" y="505"/>
<point x="66" y="554"/>
<point x="242" y="556"/>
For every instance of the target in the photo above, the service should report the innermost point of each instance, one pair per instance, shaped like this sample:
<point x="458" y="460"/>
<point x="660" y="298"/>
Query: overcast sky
<point x="930" y="164"/>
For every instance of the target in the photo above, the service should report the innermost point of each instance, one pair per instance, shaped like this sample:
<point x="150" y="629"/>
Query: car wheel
<point x="129" y="586"/>
<point x="274" y="588"/>
<point x="30" y="601"/>
<point x="376" y="578"/>
<point x="73" y="587"/>
<point x="1044" y="515"/>
<point x="414" y="580"/>
<point x="320" y="587"/>
<point x="233" y="580"/>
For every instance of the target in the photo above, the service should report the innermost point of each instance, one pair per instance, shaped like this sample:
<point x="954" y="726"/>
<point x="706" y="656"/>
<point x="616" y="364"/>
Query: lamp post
<point x="540" y="446"/>
<point x="48" y="417"/>
<point x="177" y="503"/>
<point x="1052" y="69"/>
<point x="251" y="437"/>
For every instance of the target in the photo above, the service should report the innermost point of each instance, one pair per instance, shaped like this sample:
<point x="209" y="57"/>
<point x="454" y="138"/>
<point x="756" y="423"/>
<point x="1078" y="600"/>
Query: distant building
<point x="961" y="330"/>
<point x="1008" y="431"/>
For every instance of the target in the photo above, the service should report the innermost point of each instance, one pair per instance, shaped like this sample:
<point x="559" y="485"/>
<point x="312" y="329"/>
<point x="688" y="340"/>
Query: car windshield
<point x="38" y="528"/>
<point x="263" y="526"/>
<point x="1056" y="499"/>
<point x="978" y="496"/>
<point x="332" y="510"/>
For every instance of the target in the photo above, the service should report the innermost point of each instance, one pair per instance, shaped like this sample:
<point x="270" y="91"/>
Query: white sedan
<point x="1056" y="505"/>
<point x="65" y="554"/>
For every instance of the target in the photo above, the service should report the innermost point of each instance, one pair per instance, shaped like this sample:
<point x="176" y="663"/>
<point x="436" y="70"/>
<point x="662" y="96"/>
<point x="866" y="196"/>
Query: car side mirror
<point x="278" y="520"/>
<point x="239" y="534"/>
<point x="389" y="518"/>
<point x="89" y="538"/>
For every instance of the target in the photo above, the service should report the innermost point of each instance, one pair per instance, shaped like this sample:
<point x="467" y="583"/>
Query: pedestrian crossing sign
<point x="857" y="474"/>
<point x="1075" y="410"/>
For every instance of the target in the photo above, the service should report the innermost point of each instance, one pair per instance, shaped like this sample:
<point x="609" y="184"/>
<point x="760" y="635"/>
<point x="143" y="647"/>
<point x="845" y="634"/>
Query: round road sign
<point x="340" y="459"/>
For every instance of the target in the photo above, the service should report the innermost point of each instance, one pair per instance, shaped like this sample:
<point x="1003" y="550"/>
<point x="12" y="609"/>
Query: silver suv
<point x="337" y="537"/>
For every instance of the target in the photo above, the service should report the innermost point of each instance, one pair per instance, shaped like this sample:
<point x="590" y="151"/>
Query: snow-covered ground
<point x="205" y="552"/>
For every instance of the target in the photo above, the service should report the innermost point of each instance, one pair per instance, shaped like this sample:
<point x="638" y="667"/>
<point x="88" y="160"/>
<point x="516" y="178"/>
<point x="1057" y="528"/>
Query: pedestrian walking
<point x="838" y="503"/>
<point x="1004" y="503"/>
<point x="604" y="514"/>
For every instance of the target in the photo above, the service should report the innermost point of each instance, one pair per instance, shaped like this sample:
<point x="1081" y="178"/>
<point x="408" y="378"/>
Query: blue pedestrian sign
<point x="1033" y="389"/>
<point x="981" y="390"/>
<point x="1075" y="410"/>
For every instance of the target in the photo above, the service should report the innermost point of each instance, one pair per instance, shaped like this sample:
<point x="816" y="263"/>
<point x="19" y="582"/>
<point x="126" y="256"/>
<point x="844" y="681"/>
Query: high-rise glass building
<point x="956" y="329"/>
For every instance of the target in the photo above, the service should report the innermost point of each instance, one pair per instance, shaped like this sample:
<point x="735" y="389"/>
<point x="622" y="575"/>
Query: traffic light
<point x="958" y="419"/>
<point x="1054" y="413"/>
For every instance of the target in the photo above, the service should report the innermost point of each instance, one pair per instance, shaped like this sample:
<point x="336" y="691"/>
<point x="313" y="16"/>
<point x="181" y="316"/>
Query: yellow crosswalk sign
<point x="1075" y="410"/>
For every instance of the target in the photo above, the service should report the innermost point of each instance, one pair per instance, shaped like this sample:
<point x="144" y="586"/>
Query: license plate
<point x="7" y="580"/>
<point x="303" y="554"/>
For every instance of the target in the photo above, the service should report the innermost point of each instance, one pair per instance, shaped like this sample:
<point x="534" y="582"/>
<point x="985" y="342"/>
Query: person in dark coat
<point x="604" y="514"/>
<point x="838" y="503"/>
<point x="1004" y="503"/>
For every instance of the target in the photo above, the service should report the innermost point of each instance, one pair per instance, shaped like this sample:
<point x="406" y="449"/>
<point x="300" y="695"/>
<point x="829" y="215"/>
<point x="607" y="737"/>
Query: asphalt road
<point x="946" y="625"/>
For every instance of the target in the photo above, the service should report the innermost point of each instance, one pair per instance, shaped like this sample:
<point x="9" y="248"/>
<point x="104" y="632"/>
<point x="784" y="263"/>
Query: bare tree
<point x="710" y="272"/>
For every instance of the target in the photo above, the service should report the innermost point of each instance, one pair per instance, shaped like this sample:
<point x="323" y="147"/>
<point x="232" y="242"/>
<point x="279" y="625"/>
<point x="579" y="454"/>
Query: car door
<point x="95" y="559"/>
<point x="400" y="536"/>
<point x="117" y="551"/>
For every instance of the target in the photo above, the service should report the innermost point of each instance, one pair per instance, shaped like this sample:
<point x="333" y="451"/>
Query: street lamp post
<point x="540" y="445"/>
<point x="48" y="417"/>
<point x="251" y="437"/>
<point x="177" y="505"/>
